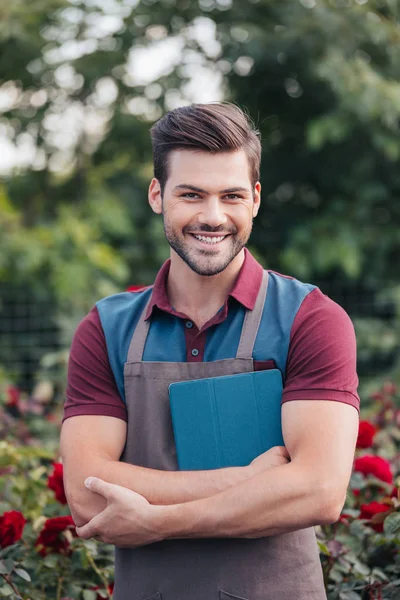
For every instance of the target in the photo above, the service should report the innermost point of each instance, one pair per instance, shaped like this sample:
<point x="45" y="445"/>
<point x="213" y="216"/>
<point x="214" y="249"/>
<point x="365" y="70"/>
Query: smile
<point x="209" y="239"/>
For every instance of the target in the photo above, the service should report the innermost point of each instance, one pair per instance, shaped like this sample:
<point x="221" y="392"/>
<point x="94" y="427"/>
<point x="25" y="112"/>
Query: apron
<point x="280" y="567"/>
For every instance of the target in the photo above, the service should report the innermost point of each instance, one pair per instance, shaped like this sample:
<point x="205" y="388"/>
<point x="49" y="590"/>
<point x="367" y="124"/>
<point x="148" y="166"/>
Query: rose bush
<point x="360" y="553"/>
<point x="41" y="558"/>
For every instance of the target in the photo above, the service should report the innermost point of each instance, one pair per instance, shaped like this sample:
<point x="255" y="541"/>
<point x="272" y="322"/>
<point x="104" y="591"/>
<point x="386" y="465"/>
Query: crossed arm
<point x="92" y="445"/>
<point x="254" y="501"/>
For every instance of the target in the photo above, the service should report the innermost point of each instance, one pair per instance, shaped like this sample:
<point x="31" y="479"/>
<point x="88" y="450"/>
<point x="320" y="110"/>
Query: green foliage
<point x="25" y="467"/>
<point x="360" y="556"/>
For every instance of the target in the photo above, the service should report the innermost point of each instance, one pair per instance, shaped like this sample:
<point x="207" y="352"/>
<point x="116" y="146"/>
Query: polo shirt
<point x="302" y="332"/>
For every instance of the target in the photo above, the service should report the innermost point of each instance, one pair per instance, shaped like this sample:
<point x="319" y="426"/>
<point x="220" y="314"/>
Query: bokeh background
<point x="82" y="81"/>
<point x="81" y="84"/>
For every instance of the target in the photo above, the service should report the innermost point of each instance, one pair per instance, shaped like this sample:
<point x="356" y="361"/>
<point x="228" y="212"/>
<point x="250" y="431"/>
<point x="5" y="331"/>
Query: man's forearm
<point x="173" y="487"/>
<point x="158" y="487"/>
<point x="276" y="501"/>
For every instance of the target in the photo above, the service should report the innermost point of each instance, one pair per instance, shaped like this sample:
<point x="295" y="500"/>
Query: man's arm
<point x="320" y="437"/>
<point x="91" y="445"/>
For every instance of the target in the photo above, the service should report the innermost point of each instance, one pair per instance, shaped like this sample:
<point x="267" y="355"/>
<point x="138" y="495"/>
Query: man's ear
<point x="257" y="198"/>
<point x="154" y="196"/>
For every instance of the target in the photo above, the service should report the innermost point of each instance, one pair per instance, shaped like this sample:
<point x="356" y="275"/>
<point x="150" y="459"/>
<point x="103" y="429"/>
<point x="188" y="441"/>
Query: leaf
<point x="50" y="561"/>
<point x="37" y="474"/>
<point x="358" y="529"/>
<point x="361" y="568"/>
<point x="5" y="591"/>
<point x="8" y="565"/>
<point x="22" y="573"/>
<point x="349" y="596"/>
<point x="3" y="568"/>
<point x="392" y="523"/>
<point x="89" y="595"/>
<point x="379" y="574"/>
<point x="323" y="548"/>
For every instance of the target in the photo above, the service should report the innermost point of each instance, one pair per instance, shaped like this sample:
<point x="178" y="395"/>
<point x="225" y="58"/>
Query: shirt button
<point x="195" y="352"/>
<point x="189" y="324"/>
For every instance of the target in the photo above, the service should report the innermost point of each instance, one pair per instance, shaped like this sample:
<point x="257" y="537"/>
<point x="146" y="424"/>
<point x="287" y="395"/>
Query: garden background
<point x="81" y="82"/>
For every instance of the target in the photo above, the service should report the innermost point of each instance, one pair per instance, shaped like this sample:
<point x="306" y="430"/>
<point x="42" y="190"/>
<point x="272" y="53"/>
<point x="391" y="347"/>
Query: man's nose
<point x="213" y="213"/>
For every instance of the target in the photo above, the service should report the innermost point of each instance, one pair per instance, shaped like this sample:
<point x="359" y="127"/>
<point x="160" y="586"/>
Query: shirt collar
<point x="245" y="289"/>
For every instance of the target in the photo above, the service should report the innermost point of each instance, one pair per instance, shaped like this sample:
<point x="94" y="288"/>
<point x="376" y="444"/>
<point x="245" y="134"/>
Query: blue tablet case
<point x="226" y="421"/>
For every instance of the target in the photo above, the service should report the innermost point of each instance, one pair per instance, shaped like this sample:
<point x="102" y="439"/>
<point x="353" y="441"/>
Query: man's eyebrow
<point x="184" y="186"/>
<point x="234" y="189"/>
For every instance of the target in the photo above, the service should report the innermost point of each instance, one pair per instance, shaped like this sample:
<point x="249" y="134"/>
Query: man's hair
<point x="214" y="127"/>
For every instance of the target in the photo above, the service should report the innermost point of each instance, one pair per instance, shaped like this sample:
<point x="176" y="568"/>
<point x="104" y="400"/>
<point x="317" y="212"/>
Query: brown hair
<point x="214" y="127"/>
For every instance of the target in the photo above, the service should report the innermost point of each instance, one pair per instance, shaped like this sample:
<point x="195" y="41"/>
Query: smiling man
<point x="237" y="532"/>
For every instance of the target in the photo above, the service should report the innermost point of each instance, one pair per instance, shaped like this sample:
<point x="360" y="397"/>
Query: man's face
<point x="208" y="206"/>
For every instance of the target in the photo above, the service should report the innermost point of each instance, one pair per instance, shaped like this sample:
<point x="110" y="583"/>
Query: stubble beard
<point x="205" y="268"/>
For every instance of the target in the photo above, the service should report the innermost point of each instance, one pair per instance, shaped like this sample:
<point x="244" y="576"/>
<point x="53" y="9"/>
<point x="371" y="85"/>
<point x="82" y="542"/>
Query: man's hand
<point x="128" y="521"/>
<point x="274" y="457"/>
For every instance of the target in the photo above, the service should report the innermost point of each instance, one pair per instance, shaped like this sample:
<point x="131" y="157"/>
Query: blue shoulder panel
<point x="119" y="315"/>
<point x="284" y="298"/>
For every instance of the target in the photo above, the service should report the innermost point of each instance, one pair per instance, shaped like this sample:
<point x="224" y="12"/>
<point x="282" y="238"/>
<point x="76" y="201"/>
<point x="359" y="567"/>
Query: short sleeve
<point x="91" y="387"/>
<point x="321" y="361"/>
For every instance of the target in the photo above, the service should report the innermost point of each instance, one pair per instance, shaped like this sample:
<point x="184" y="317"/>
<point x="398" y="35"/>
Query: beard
<point x="205" y="262"/>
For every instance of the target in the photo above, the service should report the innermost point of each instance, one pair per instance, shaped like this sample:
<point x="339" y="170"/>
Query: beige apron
<point x="281" y="567"/>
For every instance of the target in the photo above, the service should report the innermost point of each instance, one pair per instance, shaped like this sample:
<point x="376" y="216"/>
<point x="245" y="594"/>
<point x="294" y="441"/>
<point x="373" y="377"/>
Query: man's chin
<point x="209" y="265"/>
<point x="202" y="261"/>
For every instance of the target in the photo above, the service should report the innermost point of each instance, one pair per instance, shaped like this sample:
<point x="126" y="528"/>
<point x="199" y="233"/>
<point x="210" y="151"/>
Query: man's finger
<point x="90" y="529"/>
<point x="99" y="486"/>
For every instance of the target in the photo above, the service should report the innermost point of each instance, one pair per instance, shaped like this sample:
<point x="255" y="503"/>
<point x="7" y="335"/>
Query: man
<point x="239" y="532"/>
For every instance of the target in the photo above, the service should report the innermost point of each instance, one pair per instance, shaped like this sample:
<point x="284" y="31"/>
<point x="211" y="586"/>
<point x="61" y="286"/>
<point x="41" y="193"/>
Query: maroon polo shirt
<point x="92" y="388"/>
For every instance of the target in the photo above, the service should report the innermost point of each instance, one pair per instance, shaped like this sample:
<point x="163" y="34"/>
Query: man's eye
<point x="232" y="197"/>
<point x="191" y="195"/>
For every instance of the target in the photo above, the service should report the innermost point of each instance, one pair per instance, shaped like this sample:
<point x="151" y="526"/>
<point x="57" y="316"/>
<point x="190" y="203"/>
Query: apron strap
<point x="138" y="341"/>
<point x="250" y="327"/>
<point x="252" y="322"/>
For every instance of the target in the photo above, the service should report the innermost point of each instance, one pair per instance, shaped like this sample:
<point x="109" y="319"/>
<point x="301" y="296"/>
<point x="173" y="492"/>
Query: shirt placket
<point x="195" y="342"/>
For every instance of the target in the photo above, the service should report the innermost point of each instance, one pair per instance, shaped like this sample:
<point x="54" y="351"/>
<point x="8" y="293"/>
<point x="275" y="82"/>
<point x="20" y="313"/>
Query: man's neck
<point x="197" y="296"/>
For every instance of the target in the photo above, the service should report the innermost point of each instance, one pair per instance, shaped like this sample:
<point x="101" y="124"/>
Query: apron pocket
<point x="227" y="596"/>
<point x="156" y="596"/>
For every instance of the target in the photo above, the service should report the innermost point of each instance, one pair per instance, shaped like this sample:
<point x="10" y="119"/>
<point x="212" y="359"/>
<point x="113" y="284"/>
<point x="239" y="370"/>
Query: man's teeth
<point x="210" y="240"/>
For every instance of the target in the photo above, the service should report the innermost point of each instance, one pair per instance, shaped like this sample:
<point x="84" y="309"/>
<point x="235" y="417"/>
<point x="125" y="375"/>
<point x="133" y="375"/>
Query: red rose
<point x="50" y="538"/>
<point x="374" y="508"/>
<point x="366" y="432"/>
<point x="12" y="524"/>
<point x="374" y="465"/>
<point x="55" y="482"/>
<point x="13" y="395"/>
<point x="110" y="588"/>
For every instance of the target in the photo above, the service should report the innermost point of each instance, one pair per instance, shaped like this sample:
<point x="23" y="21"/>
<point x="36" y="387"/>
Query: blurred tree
<point x="320" y="78"/>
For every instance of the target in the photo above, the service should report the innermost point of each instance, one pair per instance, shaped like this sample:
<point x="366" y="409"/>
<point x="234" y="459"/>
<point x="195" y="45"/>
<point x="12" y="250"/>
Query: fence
<point x="29" y="328"/>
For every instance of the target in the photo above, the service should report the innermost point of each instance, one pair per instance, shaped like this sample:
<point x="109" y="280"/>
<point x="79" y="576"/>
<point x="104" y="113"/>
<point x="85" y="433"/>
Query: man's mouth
<point x="209" y="239"/>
